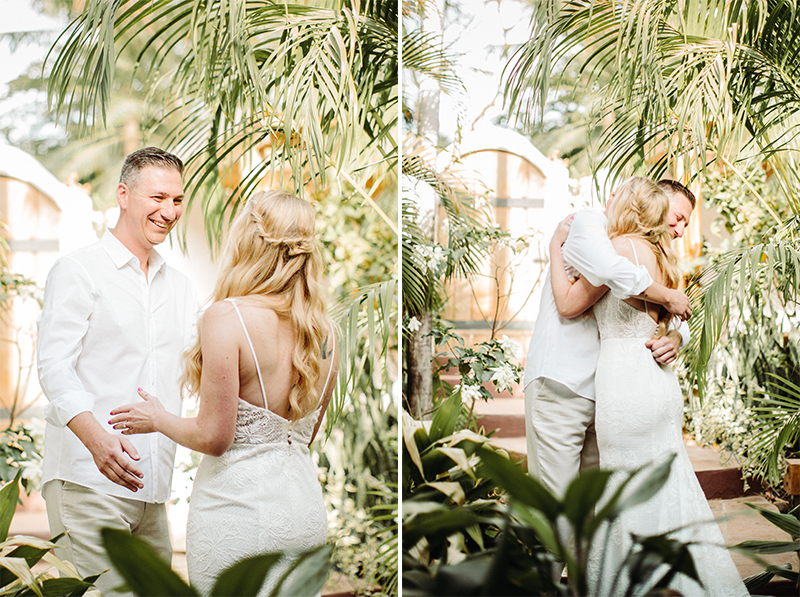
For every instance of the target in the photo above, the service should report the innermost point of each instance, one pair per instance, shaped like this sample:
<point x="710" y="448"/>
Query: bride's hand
<point x="138" y="417"/>
<point x="665" y="348"/>
<point x="562" y="231"/>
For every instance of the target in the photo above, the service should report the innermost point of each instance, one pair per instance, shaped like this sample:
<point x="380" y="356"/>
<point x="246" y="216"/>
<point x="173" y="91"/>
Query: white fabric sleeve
<point x="68" y="300"/>
<point x="683" y="329"/>
<point x="589" y="250"/>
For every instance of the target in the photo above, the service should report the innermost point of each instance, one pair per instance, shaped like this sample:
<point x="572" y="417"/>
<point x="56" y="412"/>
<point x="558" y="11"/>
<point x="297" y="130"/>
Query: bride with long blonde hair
<point x="264" y="368"/>
<point x="639" y="404"/>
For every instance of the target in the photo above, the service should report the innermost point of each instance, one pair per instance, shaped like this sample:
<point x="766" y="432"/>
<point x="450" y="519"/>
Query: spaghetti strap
<point x="330" y="369"/>
<point x="252" y="350"/>
<point x="636" y="257"/>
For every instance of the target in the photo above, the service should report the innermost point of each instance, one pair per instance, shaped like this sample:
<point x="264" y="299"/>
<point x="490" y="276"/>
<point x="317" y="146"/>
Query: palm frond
<point x="310" y="87"/>
<point x="722" y="294"/>
<point x="367" y="319"/>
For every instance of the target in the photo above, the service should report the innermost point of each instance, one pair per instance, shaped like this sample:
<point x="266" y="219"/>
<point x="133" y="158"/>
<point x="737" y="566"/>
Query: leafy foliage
<point x="310" y="87"/>
<point x="21" y="554"/>
<point x="746" y="408"/>
<point x="147" y="574"/>
<point x="488" y="361"/>
<point x="462" y="537"/>
<point x="685" y="86"/>
<point x="789" y="523"/>
<point x="20" y="455"/>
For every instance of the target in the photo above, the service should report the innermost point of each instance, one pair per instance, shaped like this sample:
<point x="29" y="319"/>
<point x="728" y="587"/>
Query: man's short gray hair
<point x="674" y="186"/>
<point x="147" y="156"/>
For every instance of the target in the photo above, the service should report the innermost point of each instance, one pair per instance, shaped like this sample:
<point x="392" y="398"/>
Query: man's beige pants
<point x="82" y="513"/>
<point x="559" y="428"/>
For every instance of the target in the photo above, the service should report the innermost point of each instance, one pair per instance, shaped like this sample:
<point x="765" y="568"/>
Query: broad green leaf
<point x="307" y="574"/>
<point x="445" y="417"/>
<point x="245" y="577"/>
<point x="459" y="457"/>
<point x="440" y="523"/>
<point x="69" y="587"/>
<point x="518" y="483"/>
<point x="582" y="497"/>
<point x="648" y="484"/>
<point x="19" y="568"/>
<point x="784" y="522"/>
<point x="542" y="526"/>
<point x="757" y="581"/>
<point x="31" y="554"/>
<point x="454" y="491"/>
<point x="142" y="568"/>
<point x="410" y="444"/>
<point x="767" y="547"/>
<point x="9" y="496"/>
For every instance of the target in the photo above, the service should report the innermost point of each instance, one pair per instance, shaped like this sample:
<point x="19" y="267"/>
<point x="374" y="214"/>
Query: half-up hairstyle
<point x="271" y="252"/>
<point x="639" y="209"/>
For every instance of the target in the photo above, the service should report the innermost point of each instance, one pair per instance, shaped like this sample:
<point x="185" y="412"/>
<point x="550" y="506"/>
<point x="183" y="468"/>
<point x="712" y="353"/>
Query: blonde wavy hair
<point x="639" y="209"/>
<point x="271" y="253"/>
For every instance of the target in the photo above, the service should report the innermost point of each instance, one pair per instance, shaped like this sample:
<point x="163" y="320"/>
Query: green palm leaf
<point x="310" y="87"/>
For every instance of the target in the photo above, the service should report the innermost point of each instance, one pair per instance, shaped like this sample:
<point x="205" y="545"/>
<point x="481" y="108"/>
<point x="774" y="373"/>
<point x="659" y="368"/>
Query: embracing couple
<point x="598" y="388"/>
<point x="119" y="342"/>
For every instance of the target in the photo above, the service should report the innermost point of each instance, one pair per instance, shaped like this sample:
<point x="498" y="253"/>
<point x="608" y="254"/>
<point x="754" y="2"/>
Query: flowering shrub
<point x="21" y="448"/>
<point x="724" y="421"/>
<point x="488" y="361"/>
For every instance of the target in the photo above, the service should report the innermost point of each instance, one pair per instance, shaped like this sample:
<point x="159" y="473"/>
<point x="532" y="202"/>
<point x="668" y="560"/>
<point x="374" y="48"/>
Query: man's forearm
<point x="86" y="427"/>
<point x="675" y="301"/>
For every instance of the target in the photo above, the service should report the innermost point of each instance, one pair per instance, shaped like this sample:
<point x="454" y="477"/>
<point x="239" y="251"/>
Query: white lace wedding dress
<point x="638" y="418"/>
<point x="262" y="495"/>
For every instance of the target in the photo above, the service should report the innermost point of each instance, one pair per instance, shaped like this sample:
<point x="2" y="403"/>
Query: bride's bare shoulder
<point x="643" y="253"/>
<point x="219" y="309"/>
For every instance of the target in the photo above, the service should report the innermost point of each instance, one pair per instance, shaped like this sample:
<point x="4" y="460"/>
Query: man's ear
<point x="123" y="192"/>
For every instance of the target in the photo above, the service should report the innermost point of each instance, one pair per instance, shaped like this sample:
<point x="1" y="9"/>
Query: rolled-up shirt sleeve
<point x="589" y="250"/>
<point x="683" y="329"/>
<point x="68" y="300"/>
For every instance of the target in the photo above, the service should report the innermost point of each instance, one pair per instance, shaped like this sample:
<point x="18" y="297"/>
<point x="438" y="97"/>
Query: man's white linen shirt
<point x="567" y="350"/>
<point x="105" y="330"/>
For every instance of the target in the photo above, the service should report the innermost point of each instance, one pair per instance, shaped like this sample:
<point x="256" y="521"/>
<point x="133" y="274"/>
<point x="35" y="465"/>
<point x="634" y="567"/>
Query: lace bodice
<point x="256" y="425"/>
<point x="617" y="319"/>
<point x="260" y="426"/>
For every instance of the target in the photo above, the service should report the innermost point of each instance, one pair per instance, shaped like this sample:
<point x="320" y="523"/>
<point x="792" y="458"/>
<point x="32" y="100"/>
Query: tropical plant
<point x="461" y="537"/>
<point x="789" y="523"/>
<point x="358" y="465"/>
<point x="18" y="556"/>
<point x="470" y="238"/>
<point x="312" y="87"/>
<point x="147" y="574"/>
<point x="488" y="361"/>
<point x="20" y="454"/>
<point x="760" y="337"/>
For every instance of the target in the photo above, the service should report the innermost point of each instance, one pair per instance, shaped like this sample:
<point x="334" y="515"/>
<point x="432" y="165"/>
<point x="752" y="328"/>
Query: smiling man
<point x="116" y="317"/>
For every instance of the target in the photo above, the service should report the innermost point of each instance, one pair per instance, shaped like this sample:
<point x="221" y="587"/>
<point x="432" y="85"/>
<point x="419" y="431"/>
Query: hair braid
<point x="271" y="251"/>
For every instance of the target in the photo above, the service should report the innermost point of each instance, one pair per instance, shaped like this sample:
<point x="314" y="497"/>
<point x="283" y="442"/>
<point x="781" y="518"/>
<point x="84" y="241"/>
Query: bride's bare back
<point x="228" y="366"/>
<point x="641" y="255"/>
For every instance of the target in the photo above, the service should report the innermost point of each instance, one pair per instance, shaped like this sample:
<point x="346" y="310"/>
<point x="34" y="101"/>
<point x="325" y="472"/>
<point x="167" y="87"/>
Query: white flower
<point x="32" y="471"/>
<point x="511" y="349"/>
<point x="503" y="377"/>
<point x="414" y="324"/>
<point x="430" y="256"/>
<point x="468" y="391"/>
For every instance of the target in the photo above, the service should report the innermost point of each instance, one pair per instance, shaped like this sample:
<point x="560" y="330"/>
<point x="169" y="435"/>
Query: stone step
<point x="504" y="416"/>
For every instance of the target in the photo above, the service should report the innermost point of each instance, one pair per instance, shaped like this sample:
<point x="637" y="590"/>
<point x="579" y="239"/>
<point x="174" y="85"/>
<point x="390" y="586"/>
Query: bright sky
<point x="19" y="16"/>
<point x="477" y="37"/>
